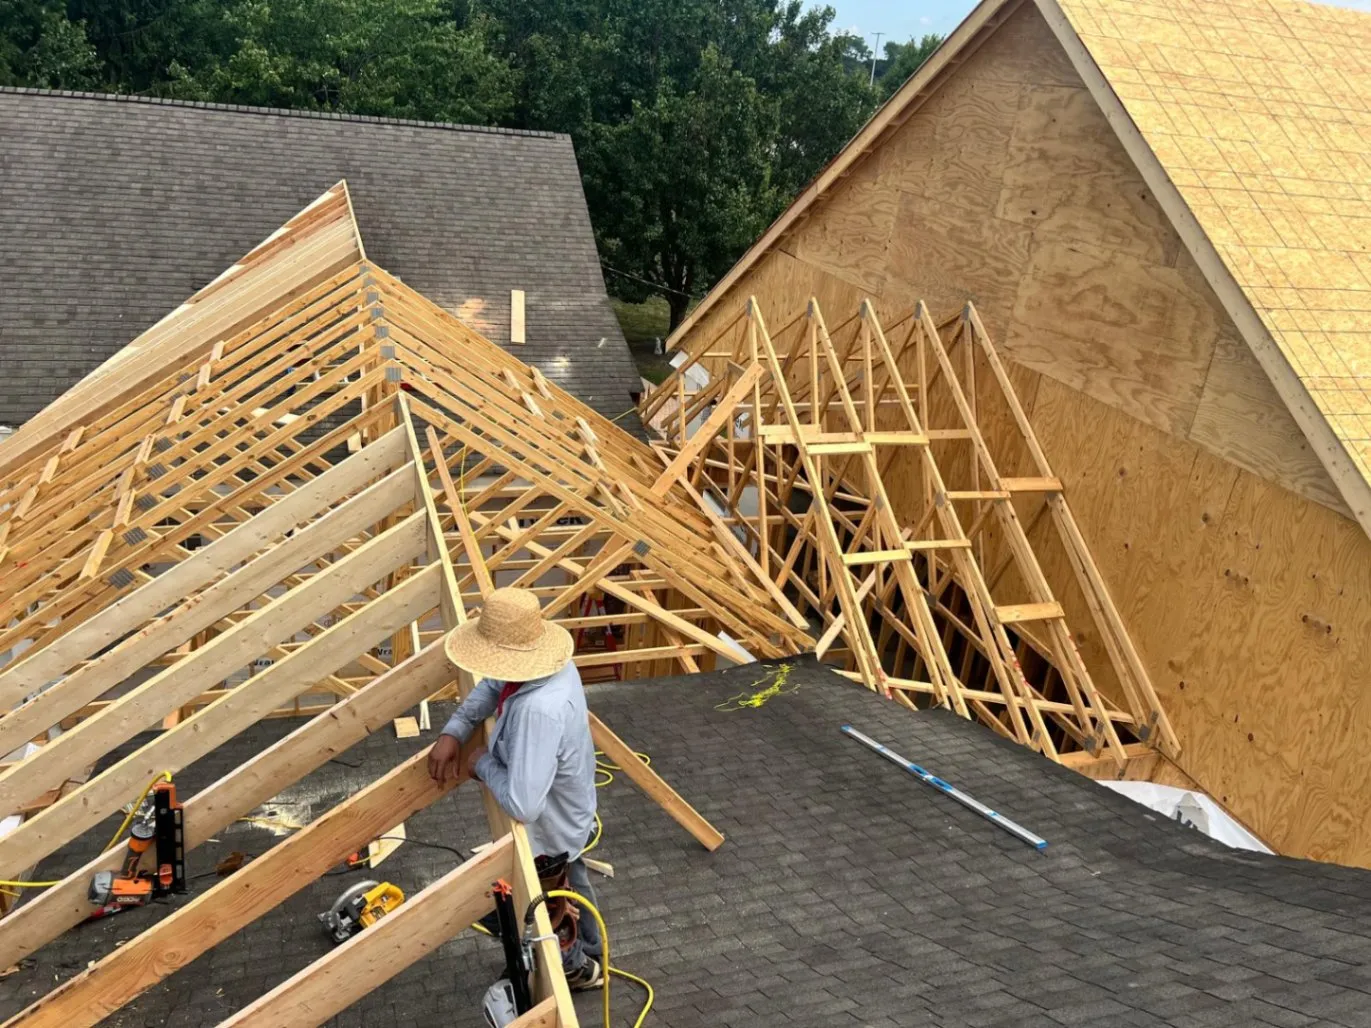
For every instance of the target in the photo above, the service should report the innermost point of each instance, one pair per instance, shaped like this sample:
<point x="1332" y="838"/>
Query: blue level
<point x="1037" y="842"/>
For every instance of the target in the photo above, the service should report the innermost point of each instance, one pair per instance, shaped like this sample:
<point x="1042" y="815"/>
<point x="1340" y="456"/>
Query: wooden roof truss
<point x="934" y="596"/>
<point x="288" y="523"/>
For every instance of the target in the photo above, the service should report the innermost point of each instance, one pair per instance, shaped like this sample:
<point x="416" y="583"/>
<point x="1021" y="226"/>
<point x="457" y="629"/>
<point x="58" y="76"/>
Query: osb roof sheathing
<point x="1251" y="122"/>
<point x="1260" y="114"/>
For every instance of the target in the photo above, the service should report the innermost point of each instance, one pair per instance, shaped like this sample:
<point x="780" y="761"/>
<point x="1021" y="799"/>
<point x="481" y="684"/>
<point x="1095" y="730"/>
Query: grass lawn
<point x="643" y="324"/>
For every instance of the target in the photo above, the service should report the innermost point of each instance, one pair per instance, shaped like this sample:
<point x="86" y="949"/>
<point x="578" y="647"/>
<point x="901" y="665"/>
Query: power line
<point x="655" y="285"/>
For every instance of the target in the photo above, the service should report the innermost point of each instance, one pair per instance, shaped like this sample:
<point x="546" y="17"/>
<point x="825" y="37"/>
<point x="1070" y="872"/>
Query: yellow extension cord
<point x="127" y="820"/>
<point x="581" y="901"/>
<point x="604" y="952"/>
<point x="776" y="682"/>
<point x="603" y="767"/>
<point x="25" y="885"/>
<point x="134" y="809"/>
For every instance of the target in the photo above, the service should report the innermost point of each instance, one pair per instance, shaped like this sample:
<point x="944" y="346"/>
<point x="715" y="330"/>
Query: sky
<point x="901" y="19"/>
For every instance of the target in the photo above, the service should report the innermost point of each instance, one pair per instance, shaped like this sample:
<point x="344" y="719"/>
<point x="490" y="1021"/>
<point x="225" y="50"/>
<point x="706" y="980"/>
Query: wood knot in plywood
<point x="1317" y="624"/>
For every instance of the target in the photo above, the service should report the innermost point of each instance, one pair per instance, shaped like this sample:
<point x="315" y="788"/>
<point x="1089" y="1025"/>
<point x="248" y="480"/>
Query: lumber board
<point x="1014" y="613"/>
<point x="188" y="577"/>
<point x="235" y="902"/>
<point x="76" y="604"/>
<point x="544" y="1015"/>
<point x="41" y="581"/>
<point x="705" y="434"/>
<point x="216" y="602"/>
<point x="369" y="959"/>
<point x="656" y="788"/>
<point x="238" y="709"/>
<point x="146" y="704"/>
<point x="253" y="783"/>
<point x="516" y="317"/>
<point x="232" y="300"/>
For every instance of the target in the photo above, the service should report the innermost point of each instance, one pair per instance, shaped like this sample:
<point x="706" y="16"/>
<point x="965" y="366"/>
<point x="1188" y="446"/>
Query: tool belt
<point x="562" y="912"/>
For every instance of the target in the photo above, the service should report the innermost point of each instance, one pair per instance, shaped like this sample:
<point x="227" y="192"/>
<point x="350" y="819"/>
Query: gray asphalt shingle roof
<point x="846" y="893"/>
<point x="116" y="209"/>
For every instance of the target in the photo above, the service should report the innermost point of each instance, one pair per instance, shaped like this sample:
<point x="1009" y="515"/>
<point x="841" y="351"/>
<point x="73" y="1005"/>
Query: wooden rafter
<point x="930" y="592"/>
<point x="284" y="518"/>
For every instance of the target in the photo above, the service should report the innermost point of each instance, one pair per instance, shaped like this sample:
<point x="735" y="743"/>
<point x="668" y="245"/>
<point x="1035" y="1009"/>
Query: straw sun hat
<point x="509" y="640"/>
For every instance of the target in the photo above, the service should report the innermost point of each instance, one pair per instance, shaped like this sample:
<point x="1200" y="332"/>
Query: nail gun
<point x="511" y="996"/>
<point x="158" y="823"/>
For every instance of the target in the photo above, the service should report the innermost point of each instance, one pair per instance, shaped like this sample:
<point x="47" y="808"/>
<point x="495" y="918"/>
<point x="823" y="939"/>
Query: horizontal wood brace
<point x="809" y="433"/>
<point x="977" y="494"/>
<point x="822" y="449"/>
<point x="1029" y="612"/>
<point x="594" y="659"/>
<point x="919" y="545"/>
<point x="985" y="696"/>
<point x="909" y="684"/>
<point x="1031" y="485"/>
<point x="874" y="557"/>
<point x="896" y="438"/>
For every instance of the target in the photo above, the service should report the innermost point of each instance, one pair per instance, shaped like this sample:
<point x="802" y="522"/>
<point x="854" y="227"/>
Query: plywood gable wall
<point x="1009" y="188"/>
<point x="1250" y="604"/>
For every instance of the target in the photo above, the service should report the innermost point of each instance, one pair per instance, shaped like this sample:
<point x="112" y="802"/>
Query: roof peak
<point x="285" y="112"/>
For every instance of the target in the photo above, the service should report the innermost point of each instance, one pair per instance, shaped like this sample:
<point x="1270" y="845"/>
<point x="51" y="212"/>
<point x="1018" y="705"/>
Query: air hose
<point x="609" y="969"/>
<point x="133" y="810"/>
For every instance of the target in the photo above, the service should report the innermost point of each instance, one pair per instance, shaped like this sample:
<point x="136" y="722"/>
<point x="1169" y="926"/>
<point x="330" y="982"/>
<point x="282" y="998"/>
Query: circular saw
<point x="360" y="906"/>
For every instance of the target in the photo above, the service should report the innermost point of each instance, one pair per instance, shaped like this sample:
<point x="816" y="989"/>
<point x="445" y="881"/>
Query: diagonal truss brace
<point x="817" y="437"/>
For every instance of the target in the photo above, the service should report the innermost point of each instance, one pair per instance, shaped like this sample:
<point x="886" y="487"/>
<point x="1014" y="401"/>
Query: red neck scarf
<point x="510" y="688"/>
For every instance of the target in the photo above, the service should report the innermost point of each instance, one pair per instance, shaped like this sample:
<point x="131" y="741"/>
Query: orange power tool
<point x="159" y="821"/>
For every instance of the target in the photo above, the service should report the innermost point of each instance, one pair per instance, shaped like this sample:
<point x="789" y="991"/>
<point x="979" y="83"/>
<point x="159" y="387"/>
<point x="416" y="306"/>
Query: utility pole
<point x="874" y="51"/>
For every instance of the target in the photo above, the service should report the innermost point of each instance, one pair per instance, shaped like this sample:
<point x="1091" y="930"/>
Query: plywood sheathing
<point x="1257" y="114"/>
<point x="1229" y="548"/>
<point x="1024" y="136"/>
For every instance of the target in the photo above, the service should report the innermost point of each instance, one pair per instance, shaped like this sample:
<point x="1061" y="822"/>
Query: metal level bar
<point x="927" y="777"/>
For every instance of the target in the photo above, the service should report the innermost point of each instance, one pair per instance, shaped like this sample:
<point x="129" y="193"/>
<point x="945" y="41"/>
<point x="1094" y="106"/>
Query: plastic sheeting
<point x="1193" y="809"/>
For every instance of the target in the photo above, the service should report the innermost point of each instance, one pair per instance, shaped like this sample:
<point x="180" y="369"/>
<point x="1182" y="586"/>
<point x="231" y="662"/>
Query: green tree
<point x="41" y="46"/>
<point x="138" y="41"/>
<point x="902" y="60"/>
<point x="822" y="95"/>
<point x="682" y="185"/>
<point x="399" y="58"/>
<point x="695" y="121"/>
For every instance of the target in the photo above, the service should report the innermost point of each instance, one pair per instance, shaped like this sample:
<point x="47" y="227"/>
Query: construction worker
<point x="540" y="764"/>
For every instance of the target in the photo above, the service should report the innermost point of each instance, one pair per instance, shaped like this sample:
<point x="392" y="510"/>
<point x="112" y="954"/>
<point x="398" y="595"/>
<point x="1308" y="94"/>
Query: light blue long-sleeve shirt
<point x="541" y="763"/>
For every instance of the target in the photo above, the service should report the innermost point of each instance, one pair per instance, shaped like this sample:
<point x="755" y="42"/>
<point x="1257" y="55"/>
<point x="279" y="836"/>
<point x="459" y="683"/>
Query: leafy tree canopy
<point x="41" y="46"/>
<point x="903" y="60"/>
<point x="695" y="121"/>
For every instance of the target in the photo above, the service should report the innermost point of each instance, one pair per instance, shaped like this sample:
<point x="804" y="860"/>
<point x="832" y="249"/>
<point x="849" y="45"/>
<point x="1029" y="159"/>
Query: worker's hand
<point x="445" y="759"/>
<point x="472" y="756"/>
